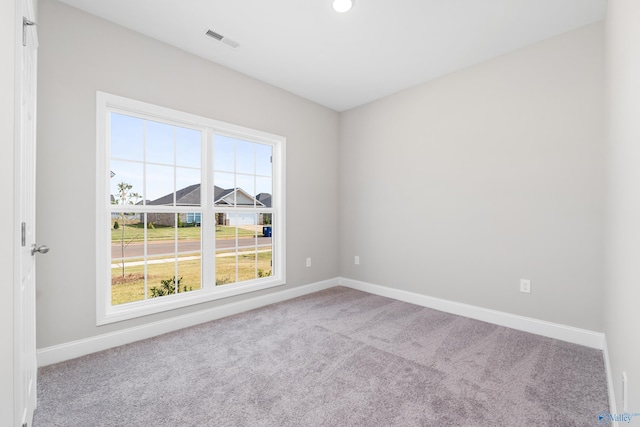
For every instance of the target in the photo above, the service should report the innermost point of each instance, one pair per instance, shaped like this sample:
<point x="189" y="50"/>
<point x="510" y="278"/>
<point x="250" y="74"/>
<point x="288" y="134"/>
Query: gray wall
<point x="7" y="63"/>
<point x="460" y="187"/>
<point x="80" y="54"/>
<point x="622" y="291"/>
<point x="455" y="189"/>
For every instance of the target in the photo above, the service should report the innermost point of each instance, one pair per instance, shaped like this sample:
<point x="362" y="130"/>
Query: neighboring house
<point x="265" y="199"/>
<point x="190" y="196"/>
<point x="117" y="215"/>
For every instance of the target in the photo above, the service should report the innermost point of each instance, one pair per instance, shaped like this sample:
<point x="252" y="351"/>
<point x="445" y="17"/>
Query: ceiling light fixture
<point x="342" y="5"/>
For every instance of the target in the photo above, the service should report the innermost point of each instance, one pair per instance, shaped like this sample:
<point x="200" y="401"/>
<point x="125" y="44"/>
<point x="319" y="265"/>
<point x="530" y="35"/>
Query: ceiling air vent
<point x="222" y="39"/>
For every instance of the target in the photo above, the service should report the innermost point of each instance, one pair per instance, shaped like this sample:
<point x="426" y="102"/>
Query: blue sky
<point x="173" y="153"/>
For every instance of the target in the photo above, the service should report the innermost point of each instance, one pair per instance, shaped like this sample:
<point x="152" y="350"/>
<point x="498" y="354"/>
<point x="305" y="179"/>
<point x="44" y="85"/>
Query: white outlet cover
<point x="308" y="262"/>
<point x="525" y="286"/>
<point x="356" y="260"/>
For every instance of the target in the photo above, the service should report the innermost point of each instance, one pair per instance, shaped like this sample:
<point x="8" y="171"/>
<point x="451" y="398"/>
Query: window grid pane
<point x="158" y="253"/>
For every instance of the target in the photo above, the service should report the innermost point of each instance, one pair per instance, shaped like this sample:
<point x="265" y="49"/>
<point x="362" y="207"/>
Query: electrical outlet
<point x="356" y="260"/>
<point x="308" y="262"/>
<point x="525" y="286"/>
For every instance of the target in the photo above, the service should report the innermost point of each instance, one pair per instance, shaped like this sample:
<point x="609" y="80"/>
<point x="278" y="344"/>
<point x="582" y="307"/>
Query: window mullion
<point x="144" y="162"/>
<point x="257" y="215"/>
<point x="145" y="241"/>
<point x="176" y="235"/>
<point x="208" y="239"/>
<point x="145" y="256"/>
<point x="237" y="248"/>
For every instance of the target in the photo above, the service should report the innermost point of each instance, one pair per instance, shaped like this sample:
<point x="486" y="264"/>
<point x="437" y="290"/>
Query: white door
<point x="25" y="369"/>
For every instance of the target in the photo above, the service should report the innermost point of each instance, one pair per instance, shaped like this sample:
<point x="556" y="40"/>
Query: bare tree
<point x="124" y="196"/>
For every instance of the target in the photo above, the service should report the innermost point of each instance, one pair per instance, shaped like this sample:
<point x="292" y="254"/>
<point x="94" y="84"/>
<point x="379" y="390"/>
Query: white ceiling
<point x="344" y="60"/>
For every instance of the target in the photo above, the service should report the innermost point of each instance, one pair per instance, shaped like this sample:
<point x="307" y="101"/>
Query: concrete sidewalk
<point x="187" y="258"/>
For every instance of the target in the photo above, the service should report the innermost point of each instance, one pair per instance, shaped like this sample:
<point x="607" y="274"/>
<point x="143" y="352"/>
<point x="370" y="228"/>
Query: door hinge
<point x="23" y="233"/>
<point x="26" y="23"/>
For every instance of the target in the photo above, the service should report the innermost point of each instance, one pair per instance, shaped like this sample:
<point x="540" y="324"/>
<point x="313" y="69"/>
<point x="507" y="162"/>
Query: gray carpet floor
<point x="339" y="357"/>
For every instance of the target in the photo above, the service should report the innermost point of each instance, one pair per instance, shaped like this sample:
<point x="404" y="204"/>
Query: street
<point x="136" y="250"/>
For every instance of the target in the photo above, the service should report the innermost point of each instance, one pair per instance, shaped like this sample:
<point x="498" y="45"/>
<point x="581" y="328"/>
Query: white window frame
<point x="107" y="313"/>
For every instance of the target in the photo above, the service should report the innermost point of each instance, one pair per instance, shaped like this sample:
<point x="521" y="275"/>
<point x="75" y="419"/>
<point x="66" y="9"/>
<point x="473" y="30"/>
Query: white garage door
<point x="243" y="219"/>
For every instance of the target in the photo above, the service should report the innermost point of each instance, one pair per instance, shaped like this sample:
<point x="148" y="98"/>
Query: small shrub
<point x="262" y="273"/>
<point x="222" y="281"/>
<point x="116" y="225"/>
<point x="168" y="287"/>
<point x="150" y="226"/>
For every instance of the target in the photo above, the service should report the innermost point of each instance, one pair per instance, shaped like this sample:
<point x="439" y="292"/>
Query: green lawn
<point x="131" y="287"/>
<point x="135" y="233"/>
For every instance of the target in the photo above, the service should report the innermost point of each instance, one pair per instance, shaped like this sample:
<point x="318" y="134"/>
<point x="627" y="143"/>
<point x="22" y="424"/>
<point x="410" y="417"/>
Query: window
<point x="194" y="218"/>
<point x="189" y="209"/>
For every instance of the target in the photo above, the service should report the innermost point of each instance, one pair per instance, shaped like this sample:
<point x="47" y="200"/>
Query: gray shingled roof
<point x="219" y="193"/>
<point x="190" y="196"/>
<point x="265" y="199"/>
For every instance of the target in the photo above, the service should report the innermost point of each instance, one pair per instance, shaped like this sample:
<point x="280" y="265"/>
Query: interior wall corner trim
<point x="610" y="389"/>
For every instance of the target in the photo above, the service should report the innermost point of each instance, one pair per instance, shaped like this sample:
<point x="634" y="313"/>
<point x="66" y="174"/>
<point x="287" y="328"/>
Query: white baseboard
<point x="71" y="350"/>
<point x="539" y="327"/>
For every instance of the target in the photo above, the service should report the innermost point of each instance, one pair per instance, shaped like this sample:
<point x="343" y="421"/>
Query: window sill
<point x="137" y="309"/>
